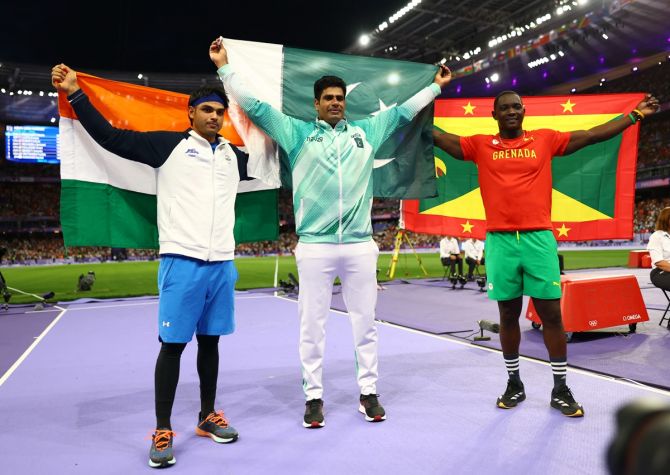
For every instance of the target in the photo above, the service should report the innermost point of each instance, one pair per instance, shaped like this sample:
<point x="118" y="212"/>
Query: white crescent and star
<point x="378" y="162"/>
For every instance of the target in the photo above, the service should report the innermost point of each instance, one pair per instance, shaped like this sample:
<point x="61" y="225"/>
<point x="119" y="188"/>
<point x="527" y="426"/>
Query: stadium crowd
<point x="653" y="79"/>
<point x="19" y="200"/>
<point x="45" y="248"/>
<point x="30" y="214"/>
<point x="654" y="145"/>
<point x="646" y="212"/>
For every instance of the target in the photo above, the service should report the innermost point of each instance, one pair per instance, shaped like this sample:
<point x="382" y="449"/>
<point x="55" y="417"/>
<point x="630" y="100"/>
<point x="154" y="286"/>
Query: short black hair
<point x="204" y="91"/>
<point x="328" y="81"/>
<point x="504" y="93"/>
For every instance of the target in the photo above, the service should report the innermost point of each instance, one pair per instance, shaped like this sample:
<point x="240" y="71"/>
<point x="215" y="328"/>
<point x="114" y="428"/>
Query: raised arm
<point x="279" y="126"/>
<point x="450" y="143"/>
<point x="581" y="138"/>
<point x="150" y="148"/>
<point x="383" y="125"/>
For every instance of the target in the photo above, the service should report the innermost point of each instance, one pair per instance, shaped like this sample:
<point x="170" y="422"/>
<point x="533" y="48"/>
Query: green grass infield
<point x="131" y="279"/>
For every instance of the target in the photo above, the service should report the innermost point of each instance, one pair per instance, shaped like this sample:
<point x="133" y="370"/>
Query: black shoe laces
<point x="566" y="395"/>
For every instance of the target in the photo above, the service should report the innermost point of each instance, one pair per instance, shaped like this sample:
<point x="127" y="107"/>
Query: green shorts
<point x="522" y="263"/>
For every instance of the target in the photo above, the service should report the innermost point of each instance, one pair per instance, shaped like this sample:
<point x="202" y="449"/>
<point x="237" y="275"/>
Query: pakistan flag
<point x="284" y="77"/>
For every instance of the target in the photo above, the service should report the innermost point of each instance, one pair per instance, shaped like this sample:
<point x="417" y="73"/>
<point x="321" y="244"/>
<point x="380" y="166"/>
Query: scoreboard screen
<point x="31" y="143"/>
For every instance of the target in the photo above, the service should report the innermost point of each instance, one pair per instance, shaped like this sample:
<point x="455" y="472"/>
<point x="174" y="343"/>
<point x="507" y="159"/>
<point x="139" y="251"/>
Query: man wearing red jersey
<point x="521" y="251"/>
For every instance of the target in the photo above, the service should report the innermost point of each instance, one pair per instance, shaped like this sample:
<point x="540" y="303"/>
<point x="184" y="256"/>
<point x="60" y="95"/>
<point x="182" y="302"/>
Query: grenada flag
<point x="593" y="189"/>
<point x="109" y="201"/>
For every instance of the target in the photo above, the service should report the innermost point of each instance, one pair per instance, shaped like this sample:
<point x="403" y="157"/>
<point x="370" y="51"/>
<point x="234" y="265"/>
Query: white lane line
<point x="25" y="354"/>
<point x="448" y="339"/>
<point x="46" y="309"/>
<point x="254" y="297"/>
<point x="37" y="340"/>
<point x="93" y="306"/>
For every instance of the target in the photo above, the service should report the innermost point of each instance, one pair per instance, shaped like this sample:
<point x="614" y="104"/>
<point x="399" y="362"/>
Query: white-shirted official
<point x="659" y="251"/>
<point x="450" y="254"/>
<point x="473" y="249"/>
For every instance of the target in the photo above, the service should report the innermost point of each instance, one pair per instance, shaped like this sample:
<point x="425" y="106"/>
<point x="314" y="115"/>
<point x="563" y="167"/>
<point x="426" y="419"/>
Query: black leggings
<point x="472" y="263"/>
<point x="660" y="278"/>
<point x="166" y="376"/>
<point x="452" y="263"/>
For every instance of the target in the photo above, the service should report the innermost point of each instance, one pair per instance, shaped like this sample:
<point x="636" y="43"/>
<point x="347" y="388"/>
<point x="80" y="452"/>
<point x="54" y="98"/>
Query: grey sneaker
<point x="216" y="427"/>
<point x="161" y="454"/>
<point x="314" y="414"/>
<point x="374" y="412"/>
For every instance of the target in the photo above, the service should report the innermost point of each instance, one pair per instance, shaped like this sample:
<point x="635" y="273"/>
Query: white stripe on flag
<point x="84" y="160"/>
<point x="260" y="66"/>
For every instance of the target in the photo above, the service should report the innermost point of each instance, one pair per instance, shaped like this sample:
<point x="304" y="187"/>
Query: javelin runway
<point x="82" y="402"/>
<point x="434" y="307"/>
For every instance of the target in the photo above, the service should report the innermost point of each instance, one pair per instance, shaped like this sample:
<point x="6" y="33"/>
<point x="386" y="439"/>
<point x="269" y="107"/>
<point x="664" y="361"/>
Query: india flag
<point x="284" y="77"/>
<point x="593" y="189"/>
<point x="110" y="201"/>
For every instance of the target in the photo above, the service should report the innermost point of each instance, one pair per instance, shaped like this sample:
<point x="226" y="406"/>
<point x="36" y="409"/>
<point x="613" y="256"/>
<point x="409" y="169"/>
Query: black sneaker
<point x="160" y="454"/>
<point x="513" y="395"/>
<point x="563" y="400"/>
<point x="216" y="427"/>
<point x="314" y="414"/>
<point x="374" y="412"/>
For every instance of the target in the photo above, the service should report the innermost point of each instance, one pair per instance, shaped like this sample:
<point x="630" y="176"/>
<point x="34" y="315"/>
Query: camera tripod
<point x="399" y="237"/>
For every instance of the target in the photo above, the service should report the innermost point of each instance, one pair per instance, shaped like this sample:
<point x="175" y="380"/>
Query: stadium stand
<point x="30" y="214"/>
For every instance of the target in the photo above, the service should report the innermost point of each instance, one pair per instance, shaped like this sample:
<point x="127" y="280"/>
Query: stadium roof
<point x="489" y="44"/>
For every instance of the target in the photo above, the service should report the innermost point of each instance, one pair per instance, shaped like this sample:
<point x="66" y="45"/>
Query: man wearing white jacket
<point x="197" y="175"/>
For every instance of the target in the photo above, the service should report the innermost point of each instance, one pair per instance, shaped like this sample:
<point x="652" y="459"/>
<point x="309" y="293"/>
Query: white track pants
<point x="356" y="266"/>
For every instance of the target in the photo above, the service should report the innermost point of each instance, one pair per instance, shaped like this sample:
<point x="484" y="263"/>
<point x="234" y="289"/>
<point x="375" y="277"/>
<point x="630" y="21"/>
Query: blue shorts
<point x="195" y="297"/>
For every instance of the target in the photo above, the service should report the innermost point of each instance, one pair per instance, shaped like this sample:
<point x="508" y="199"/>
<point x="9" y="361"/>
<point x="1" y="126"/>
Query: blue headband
<point x="210" y="98"/>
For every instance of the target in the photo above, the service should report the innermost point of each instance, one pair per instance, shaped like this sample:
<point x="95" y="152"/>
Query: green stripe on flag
<point x="256" y="216"/>
<point x="460" y="178"/>
<point x="95" y="214"/>
<point x="589" y="175"/>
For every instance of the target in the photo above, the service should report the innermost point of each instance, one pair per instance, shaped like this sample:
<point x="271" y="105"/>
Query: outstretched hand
<point x="218" y="53"/>
<point x="649" y="105"/>
<point x="64" y="79"/>
<point x="443" y="76"/>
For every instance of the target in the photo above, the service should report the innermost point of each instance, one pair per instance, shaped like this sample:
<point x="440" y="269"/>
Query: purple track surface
<point x="433" y="306"/>
<point x="19" y="327"/>
<point x="82" y="402"/>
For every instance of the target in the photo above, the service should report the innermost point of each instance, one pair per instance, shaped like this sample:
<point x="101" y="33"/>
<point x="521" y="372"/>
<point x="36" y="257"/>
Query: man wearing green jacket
<point x="331" y="162"/>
